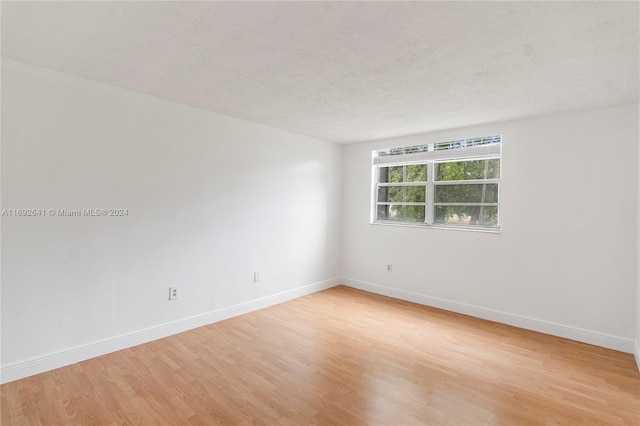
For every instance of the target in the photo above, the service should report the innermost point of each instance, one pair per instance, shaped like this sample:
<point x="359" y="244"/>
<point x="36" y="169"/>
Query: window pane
<point x="383" y="174"/>
<point x="383" y="194"/>
<point x="467" y="193"/>
<point x="468" y="170"/>
<point x="396" y="174"/>
<point x="390" y="212"/>
<point x="416" y="194"/>
<point x="400" y="194"/>
<point x="396" y="212"/>
<point x="415" y="214"/>
<point x="400" y="213"/>
<point x="382" y="212"/>
<point x="395" y="194"/>
<point x="417" y="173"/>
<point x="467" y="215"/>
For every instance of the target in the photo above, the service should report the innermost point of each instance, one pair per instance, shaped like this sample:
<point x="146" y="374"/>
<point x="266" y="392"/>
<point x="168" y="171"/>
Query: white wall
<point x="211" y="199"/>
<point x="565" y="260"/>
<point x="637" y="348"/>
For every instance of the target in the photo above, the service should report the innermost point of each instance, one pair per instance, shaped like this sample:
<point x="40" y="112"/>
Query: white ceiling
<point x="344" y="71"/>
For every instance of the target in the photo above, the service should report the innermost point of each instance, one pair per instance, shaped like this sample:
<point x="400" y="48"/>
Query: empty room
<point x="320" y="213"/>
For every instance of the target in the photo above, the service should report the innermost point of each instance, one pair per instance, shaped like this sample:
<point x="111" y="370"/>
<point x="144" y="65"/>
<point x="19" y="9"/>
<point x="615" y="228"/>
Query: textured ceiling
<point x="344" y="71"/>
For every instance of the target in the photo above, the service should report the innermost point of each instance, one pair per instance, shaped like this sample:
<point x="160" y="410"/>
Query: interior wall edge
<point x="47" y="362"/>
<point x="560" y="330"/>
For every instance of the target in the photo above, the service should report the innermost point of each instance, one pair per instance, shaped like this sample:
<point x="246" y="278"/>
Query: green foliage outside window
<point x="406" y="174"/>
<point x="414" y="179"/>
<point x="467" y="193"/>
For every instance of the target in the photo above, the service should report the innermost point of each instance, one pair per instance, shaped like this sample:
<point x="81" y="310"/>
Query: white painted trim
<point x="568" y="332"/>
<point x="42" y="363"/>
<point x="637" y="354"/>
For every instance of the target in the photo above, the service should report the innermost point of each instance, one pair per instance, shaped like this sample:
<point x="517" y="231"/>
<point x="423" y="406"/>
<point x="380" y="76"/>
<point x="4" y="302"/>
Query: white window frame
<point x="484" y="148"/>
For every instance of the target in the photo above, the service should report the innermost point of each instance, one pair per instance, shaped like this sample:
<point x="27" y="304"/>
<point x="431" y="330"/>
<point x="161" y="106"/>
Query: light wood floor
<point x="341" y="356"/>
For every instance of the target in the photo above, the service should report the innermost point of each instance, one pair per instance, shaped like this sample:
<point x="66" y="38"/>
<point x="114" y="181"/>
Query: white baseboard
<point x="554" y="329"/>
<point x="51" y="361"/>
<point x="47" y="362"/>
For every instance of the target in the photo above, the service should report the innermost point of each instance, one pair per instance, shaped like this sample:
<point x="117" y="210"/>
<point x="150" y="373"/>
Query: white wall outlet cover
<point x="174" y="293"/>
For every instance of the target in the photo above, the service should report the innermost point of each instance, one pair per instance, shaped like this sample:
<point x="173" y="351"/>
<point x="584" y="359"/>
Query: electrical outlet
<point x="174" y="293"/>
<point x="389" y="267"/>
<point x="256" y="277"/>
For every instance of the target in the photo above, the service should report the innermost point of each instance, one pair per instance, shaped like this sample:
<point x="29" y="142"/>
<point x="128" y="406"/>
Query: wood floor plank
<point x="341" y="356"/>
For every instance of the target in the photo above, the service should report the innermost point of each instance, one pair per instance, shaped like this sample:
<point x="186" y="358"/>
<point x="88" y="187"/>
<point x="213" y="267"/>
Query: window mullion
<point x="375" y="188"/>
<point x="429" y="214"/>
<point x="382" y="185"/>
<point x="468" y="182"/>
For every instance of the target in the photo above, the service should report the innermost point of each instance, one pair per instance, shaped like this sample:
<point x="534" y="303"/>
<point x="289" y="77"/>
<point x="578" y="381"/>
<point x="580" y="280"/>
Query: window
<point x="448" y="184"/>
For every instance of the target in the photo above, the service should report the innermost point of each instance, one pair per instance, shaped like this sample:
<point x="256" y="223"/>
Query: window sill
<point x="448" y="228"/>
